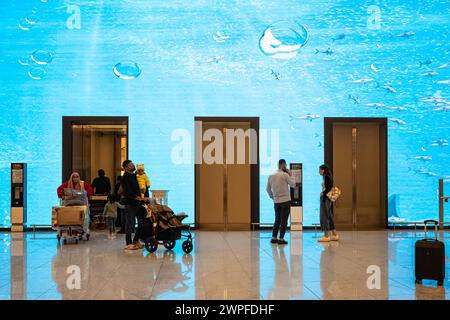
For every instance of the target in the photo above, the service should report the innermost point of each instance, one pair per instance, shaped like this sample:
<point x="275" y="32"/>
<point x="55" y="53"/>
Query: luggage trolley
<point x="70" y="223"/>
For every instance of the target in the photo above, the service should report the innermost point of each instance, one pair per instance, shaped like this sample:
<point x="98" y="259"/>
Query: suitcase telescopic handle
<point x="436" y="224"/>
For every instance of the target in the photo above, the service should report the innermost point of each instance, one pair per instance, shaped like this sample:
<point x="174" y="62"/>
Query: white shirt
<point x="278" y="186"/>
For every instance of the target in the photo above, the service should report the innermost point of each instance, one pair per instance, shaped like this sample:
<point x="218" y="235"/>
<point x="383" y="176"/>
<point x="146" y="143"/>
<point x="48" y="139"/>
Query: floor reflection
<point x="223" y="265"/>
<point x="18" y="258"/>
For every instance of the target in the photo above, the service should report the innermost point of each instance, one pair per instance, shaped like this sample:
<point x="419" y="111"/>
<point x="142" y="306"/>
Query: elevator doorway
<point x="356" y="151"/>
<point x="226" y="173"/>
<point x="93" y="143"/>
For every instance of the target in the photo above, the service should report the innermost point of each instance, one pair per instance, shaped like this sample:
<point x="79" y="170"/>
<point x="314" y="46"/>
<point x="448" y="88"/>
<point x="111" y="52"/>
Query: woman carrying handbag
<point x="328" y="195"/>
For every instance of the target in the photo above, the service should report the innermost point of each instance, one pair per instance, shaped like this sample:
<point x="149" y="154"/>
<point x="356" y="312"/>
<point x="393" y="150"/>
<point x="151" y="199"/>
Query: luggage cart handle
<point x="436" y="224"/>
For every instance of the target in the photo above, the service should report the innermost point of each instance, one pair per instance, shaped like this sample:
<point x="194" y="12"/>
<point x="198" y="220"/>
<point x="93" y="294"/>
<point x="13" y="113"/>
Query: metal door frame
<point x="328" y="152"/>
<point x="67" y="136"/>
<point x="254" y="168"/>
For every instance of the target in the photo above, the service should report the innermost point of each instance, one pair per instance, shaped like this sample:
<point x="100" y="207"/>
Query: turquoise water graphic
<point x="204" y="58"/>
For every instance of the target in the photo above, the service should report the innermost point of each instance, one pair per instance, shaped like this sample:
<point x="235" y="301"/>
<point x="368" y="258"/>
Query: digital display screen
<point x="162" y="63"/>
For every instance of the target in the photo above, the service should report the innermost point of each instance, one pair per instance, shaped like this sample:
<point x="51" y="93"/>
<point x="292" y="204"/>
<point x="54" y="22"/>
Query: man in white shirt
<point x="278" y="190"/>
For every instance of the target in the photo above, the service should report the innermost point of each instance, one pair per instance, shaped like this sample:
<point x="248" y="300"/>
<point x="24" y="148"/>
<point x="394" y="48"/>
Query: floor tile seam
<point x="237" y="259"/>
<point x="311" y="291"/>
<point x="157" y="278"/>
<point x="107" y="280"/>
<point x="45" y="292"/>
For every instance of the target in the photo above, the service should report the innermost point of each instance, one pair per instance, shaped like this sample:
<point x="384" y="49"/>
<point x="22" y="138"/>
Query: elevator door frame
<point x="254" y="168"/>
<point x="328" y="153"/>
<point x="67" y="136"/>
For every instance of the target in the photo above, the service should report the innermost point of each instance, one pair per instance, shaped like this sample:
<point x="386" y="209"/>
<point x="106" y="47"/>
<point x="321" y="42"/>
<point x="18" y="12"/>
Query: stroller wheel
<point x="187" y="246"/>
<point x="169" y="245"/>
<point x="151" y="245"/>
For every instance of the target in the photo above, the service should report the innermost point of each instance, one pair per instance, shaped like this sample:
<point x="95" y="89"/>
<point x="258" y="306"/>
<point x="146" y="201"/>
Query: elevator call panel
<point x="296" y="192"/>
<point x="18" y="184"/>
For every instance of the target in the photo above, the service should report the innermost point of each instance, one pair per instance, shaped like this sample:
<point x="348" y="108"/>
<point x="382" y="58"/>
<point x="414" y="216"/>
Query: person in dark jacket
<point x="131" y="195"/>
<point x="101" y="184"/>
<point x="326" y="206"/>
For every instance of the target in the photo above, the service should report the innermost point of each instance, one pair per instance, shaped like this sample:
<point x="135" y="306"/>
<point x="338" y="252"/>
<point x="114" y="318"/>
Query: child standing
<point x="110" y="213"/>
<point x="144" y="182"/>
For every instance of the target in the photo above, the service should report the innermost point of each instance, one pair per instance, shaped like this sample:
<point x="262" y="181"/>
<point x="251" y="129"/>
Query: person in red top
<point x="76" y="183"/>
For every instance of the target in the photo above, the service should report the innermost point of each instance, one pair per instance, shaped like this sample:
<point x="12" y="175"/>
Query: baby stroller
<point x="162" y="227"/>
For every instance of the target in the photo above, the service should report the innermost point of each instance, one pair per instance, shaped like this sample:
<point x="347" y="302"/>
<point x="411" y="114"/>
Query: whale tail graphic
<point x="393" y="205"/>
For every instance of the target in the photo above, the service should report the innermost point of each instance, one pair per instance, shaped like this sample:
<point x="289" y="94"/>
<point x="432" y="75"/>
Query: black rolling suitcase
<point x="430" y="257"/>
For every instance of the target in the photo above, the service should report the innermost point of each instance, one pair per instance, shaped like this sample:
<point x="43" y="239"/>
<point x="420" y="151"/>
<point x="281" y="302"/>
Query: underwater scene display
<point x="290" y="63"/>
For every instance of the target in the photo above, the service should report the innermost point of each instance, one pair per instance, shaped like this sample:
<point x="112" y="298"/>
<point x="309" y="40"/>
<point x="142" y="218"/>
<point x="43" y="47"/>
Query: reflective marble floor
<point x="223" y="265"/>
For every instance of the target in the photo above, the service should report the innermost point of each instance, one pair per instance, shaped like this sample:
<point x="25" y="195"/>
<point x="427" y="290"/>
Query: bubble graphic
<point x="31" y="19"/>
<point x="127" y="70"/>
<point x="24" y="25"/>
<point x="37" y="73"/>
<point x="42" y="57"/>
<point x="283" y="39"/>
<point x="25" y="60"/>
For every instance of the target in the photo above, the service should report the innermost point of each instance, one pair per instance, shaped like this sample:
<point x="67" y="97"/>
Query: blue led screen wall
<point x="161" y="63"/>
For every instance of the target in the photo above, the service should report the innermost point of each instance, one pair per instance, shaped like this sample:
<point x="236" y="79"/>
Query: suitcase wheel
<point x="419" y="281"/>
<point x="440" y="282"/>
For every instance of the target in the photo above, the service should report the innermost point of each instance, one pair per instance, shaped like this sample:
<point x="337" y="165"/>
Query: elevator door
<point x="97" y="147"/>
<point x="92" y="143"/>
<point x="359" y="171"/>
<point x="223" y="188"/>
